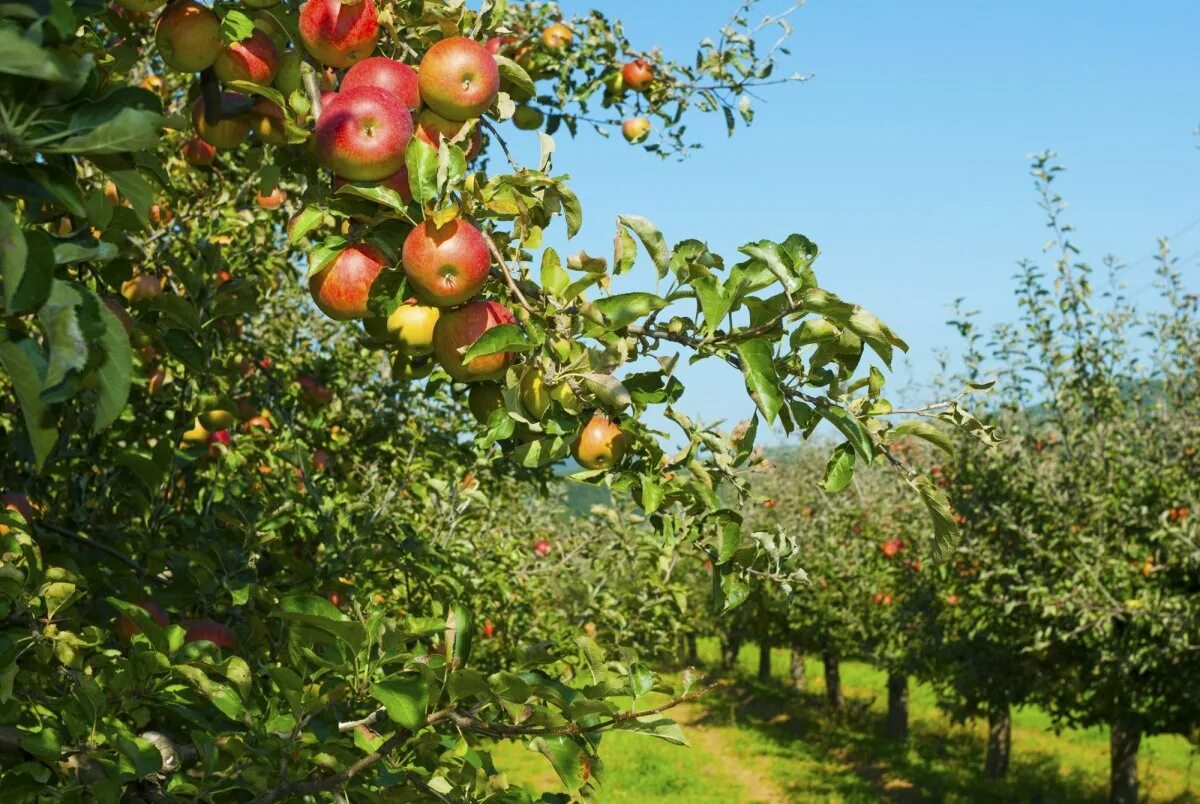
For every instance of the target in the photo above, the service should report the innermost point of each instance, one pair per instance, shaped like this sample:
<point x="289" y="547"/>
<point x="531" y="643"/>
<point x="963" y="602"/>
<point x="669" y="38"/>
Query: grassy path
<point x="762" y="743"/>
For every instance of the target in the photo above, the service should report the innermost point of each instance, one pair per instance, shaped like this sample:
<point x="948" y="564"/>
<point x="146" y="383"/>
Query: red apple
<point x="126" y="628"/>
<point x="255" y="60"/>
<point x="489" y="629"/>
<point x="557" y="36"/>
<point x="635" y="129"/>
<point x="271" y="200"/>
<point x="542" y="548"/>
<point x="600" y="445"/>
<point x="220" y="437"/>
<point x="199" y="153"/>
<point x="498" y="43"/>
<point x="336" y="599"/>
<point x="431" y="126"/>
<point x="459" y="78"/>
<point x="387" y="74"/>
<point x="339" y="33"/>
<point x="228" y="133"/>
<point x="188" y="36"/>
<point x="342" y="287"/>
<point x="320" y="459"/>
<point x="362" y="134"/>
<point x="210" y="631"/>
<point x="637" y="75"/>
<point x="445" y="266"/>
<point x="457" y="329"/>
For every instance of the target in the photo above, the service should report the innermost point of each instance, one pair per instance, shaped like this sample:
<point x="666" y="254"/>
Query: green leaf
<point x="773" y="256"/>
<point x="840" y="469"/>
<point x="61" y="319"/>
<point x="623" y="309"/>
<point x="378" y="194"/>
<point x="43" y="183"/>
<point x="114" y="375"/>
<point x="624" y="251"/>
<point x="608" y="391"/>
<point x="304" y="222"/>
<point x="20" y="56"/>
<point x="515" y="75"/>
<point x="501" y="338"/>
<point x="222" y="696"/>
<point x="554" y="279"/>
<point x="713" y="300"/>
<point x="129" y="130"/>
<point x="729" y="535"/>
<point x="572" y="765"/>
<point x="652" y="239"/>
<point x="270" y="93"/>
<point x="875" y="333"/>
<point x="144" y="757"/>
<point x="236" y="27"/>
<point x="655" y="726"/>
<point x="945" y="531"/>
<point x="758" y="366"/>
<point x="852" y="428"/>
<point x="422" y="162"/>
<point x="26" y="365"/>
<point x="406" y="700"/>
<point x="542" y="452"/>
<point x="594" y="657"/>
<point x="734" y="591"/>
<point x="45" y="744"/>
<point x="27" y="264"/>
<point x="319" y="613"/>
<point x="924" y="430"/>
<point x="572" y="209"/>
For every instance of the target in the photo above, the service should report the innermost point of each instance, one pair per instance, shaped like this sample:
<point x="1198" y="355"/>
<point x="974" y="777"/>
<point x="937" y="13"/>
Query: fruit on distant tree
<point x="457" y="329"/>
<point x="141" y="287"/>
<point x="542" y="548"/>
<point x="362" y="134"/>
<point x="227" y="133"/>
<point x="557" y="36"/>
<point x="528" y="118"/>
<point x="336" y="599"/>
<point x="637" y="75"/>
<point x="410" y="326"/>
<point x="387" y="74"/>
<point x="199" y="153"/>
<point x="635" y="129"/>
<point x="445" y="265"/>
<point x="600" y="445"/>
<point x="210" y="631"/>
<point x="341" y="289"/>
<point x="313" y="390"/>
<point x="254" y="59"/>
<point x="188" y="36"/>
<point x="339" y="33"/>
<point x="127" y="628"/>
<point x="431" y="127"/>
<point x="483" y="398"/>
<point x="218" y="414"/>
<point x="272" y="200"/>
<point x="489" y="629"/>
<point x="459" y="78"/>
<point x="498" y="43"/>
<point x="892" y="547"/>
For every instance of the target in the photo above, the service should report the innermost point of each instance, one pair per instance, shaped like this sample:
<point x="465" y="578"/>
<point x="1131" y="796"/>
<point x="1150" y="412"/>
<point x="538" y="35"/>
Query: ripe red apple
<point x="188" y="36"/>
<point x="459" y="79"/>
<point x="557" y="36"/>
<point x="542" y="548"/>
<point x="459" y="328"/>
<point x="255" y="60"/>
<point x="398" y="181"/>
<point x="339" y="33"/>
<point x="210" y="631"/>
<point x="600" y="445"/>
<point x="342" y="287"/>
<point x="430" y="126"/>
<point x="637" y="75"/>
<point x="635" y="129"/>
<point x="126" y="628"/>
<point x="891" y="547"/>
<point x="952" y="600"/>
<point x="362" y="134"/>
<point x="272" y="200"/>
<point x="387" y="74"/>
<point x="489" y="629"/>
<point x="320" y="459"/>
<point x="142" y="287"/>
<point x="336" y="599"/>
<point x="228" y="133"/>
<point x="445" y="266"/>
<point x="498" y="43"/>
<point x="198" y="153"/>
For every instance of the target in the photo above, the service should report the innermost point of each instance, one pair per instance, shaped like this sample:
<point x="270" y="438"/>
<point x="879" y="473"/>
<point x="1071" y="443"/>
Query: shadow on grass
<point x="858" y="763"/>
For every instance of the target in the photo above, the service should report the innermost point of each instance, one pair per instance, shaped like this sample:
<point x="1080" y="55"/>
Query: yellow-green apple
<point x="406" y="369"/>
<point x="209" y="631"/>
<point x="528" y="118"/>
<point x="127" y="628"/>
<point x="199" y="153"/>
<point x="288" y="77"/>
<point x="410" y="326"/>
<point x="362" y="134"/>
<point x="188" y="36"/>
<point x="635" y="129"/>
<point x="268" y="121"/>
<point x="600" y="445"/>
<point x="228" y="133"/>
<point x="557" y="36"/>
<point x="459" y="78"/>
<point x="445" y="265"/>
<point x="535" y="394"/>
<point x="638" y="75"/>
<point x="341" y="289"/>
<point x="339" y="33"/>
<point x="483" y="398"/>
<point x="254" y="59"/>
<point x="196" y="435"/>
<point x="431" y="126"/>
<point x="387" y="74"/>
<point x="141" y="287"/>
<point x="216" y="414"/>
<point x="457" y="329"/>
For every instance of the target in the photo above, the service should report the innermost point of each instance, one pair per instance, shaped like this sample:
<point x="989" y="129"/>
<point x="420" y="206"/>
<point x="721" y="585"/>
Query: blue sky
<point x="905" y="156"/>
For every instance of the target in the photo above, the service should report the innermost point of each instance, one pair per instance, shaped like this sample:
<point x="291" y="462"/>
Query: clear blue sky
<point x="904" y="157"/>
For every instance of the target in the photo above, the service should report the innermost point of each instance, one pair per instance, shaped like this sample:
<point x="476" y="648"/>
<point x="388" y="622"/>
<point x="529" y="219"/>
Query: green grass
<point x="763" y="742"/>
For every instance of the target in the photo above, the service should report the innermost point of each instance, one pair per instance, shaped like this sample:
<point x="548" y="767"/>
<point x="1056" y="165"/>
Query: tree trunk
<point x="833" y="681"/>
<point x="1123" y="756"/>
<point x="693" y="654"/>
<point x="732" y="647"/>
<point x="764" y="661"/>
<point x="897" y="714"/>
<point x="797" y="670"/>
<point x="999" y="746"/>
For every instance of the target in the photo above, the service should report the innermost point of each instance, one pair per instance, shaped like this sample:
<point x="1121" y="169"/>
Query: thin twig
<point x="503" y="145"/>
<point x="95" y="545"/>
<point x="508" y="277"/>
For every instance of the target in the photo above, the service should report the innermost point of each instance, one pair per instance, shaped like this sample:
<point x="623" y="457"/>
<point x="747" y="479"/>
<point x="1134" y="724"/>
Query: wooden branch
<point x="503" y="145"/>
<point x="508" y="277"/>
<point x="104" y="548"/>
<point x="321" y="784"/>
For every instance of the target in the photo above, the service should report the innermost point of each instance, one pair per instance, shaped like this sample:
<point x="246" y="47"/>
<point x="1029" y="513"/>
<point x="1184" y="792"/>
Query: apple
<point x="410" y="326"/>
<point x="445" y="265"/>
<point x="489" y="629"/>
<point x="398" y="181"/>
<point x="257" y="423"/>
<point x="271" y="200"/>
<point x="217" y="415"/>
<point x="362" y="134"/>
<point x="288" y="78"/>
<point x="127" y="628"/>
<point x="407" y="369"/>
<point x="459" y="79"/>
<point x="313" y="390"/>
<point x="557" y="36"/>
<point x="140" y="6"/>
<point x="267" y="120"/>
<point x="320" y="459"/>
<point x="635" y="129"/>
<point x="335" y="598"/>
<point x="542" y="548"/>
<point x="198" y="153"/>
<point x="197" y="435"/>
<point x="142" y="287"/>
<point x="255" y="60"/>
<point x="339" y="33"/>
<point x="387" y="74"/>
<point x="111" y="192"/>
<point x="892" y="546"/>
<point x="952" y="600"/>
<point x="342" y="287"/>
<point x="431" y="127"/>
<point x="638" y="75"/>
<point x="535" y="396"/>
<point x="457" y="329"/>
<point x="499" y="43"/>
<point x="600" y="445"/>
<point x="188" y="36"/>
<point x="223" y="276"/>
<point x="209" y="631"/>
<point x="483" y="398"/>
<point x="228" y="133"/>
<point x="528" y="118"/>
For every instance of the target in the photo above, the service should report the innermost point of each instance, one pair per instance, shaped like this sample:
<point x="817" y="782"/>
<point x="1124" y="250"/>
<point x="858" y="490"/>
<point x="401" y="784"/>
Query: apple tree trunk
<point x="764" y="661"/>
<point x="833" y="681"/>
<point x="693" y="653"/>
<point x="731" y="647"/>
<point x="999" y="745"/>
<point x="798" y="680"/>
<point x="897" y="712"/>
<point x="1124" y="742"/>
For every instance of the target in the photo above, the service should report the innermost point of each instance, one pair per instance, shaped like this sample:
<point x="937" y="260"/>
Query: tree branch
<point x="508" y="277"/>
<point x="104" y="548"/>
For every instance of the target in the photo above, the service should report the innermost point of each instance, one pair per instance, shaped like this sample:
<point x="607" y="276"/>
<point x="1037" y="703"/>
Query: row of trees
<point x="1076" y="586"/>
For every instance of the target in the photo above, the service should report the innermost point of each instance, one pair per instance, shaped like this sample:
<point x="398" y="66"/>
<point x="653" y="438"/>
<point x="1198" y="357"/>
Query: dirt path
<point x="750" y="773"/>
